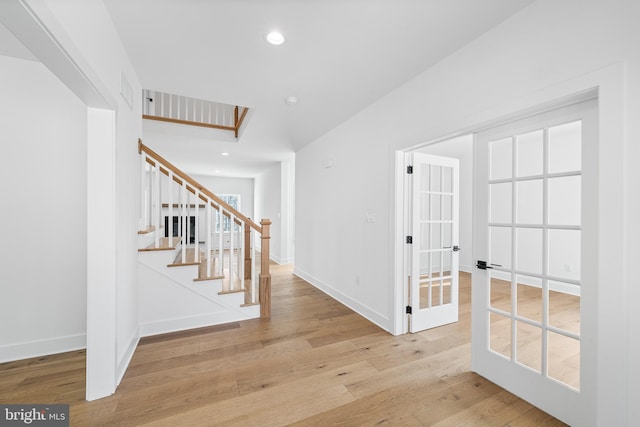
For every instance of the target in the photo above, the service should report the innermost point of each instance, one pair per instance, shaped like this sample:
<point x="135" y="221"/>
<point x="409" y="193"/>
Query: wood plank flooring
<point x="315" y="363"/>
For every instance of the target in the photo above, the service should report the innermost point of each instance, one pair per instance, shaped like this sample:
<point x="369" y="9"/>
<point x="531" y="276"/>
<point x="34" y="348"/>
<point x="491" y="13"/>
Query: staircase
<point x="201" y="262"/>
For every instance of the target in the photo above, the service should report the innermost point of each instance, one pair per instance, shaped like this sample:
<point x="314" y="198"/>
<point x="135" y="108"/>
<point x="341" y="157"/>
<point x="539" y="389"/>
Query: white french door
<point x="534" y="241"/>
<point x="434" y="247"/>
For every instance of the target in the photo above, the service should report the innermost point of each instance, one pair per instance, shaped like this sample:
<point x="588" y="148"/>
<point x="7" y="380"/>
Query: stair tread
<point x="149" y="229"/>
<point x="190" y="258"/>
<point x="166" y="244"/>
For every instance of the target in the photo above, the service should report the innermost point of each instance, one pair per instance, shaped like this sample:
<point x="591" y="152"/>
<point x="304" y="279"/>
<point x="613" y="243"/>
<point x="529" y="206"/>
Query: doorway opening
<point x="527" y="198"/>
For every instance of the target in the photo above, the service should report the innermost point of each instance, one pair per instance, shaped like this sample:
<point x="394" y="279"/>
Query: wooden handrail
<point x="195" y="185"/>
<point x="241" y="119"/>
<point x="178" y="180"/>
<point x="190" y="123"/>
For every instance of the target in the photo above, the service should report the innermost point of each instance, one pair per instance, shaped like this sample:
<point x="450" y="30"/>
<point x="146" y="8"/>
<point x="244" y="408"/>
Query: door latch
<point x="482" y="265"/>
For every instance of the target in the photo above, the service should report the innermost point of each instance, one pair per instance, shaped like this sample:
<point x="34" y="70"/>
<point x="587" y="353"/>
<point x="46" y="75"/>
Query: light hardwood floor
<point x="314" y="363"/>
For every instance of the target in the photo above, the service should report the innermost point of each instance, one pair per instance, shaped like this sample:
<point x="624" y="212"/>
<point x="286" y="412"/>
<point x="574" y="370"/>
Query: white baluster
<point x="208" y="237"/>
<point x="231" y="246"/>
<point x="196" y="236"/>
<point x="169" y="231"/>
<point x="241" y="253"/>
<point x="143" y="193"/>
<point x="156" y="205"/>
<point x="254" y="291"/>
<point x="220" y="240"/>
<point x="183" y="221"/>
<point x="148" y="219"/>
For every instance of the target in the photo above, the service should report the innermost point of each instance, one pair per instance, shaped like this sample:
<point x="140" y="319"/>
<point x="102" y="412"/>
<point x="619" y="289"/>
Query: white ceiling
<point x="339" y="56"/>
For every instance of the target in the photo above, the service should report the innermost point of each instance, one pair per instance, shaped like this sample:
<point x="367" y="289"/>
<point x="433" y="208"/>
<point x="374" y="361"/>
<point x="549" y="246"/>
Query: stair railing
<point x="236" y="266"/>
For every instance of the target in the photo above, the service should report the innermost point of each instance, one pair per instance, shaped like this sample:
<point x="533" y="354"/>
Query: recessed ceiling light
<point x="291" y="100"/>
<point x="275" y="38"/>
<point x="225" y="154"/>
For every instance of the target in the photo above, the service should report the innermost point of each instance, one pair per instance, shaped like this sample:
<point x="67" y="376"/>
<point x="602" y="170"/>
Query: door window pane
<point x="436" y="236"/>
<point x="447" y="183"/>
<point x="447" y="229"/>
<point x="564" y="359"/>
<point x="500" y="246"/>
<point x="425" y="174"/>
<point x="529" y="194"/>
<point x="500" y="203"/>
<point x="565" y="147"/>
<point x="446" y="263"/>
<point x="500" y="334"/>
<point x="564" y="254"/>
<point x="447" y="208"/>
<point x="529" y="297"/>
<point x="501" y="159"/>
<point x="529" y="250"/>
<point x="565" y="200"/>
<point x="424" y="206"/>
<point x="529" y="345"/>
<point x="436" y="182"/>
<point x="500" y="294"/>
<point x="425" y="265"/>
<point x="564" y="306"/>
<point x="425" y="234"/>
<point x="425" y="290"/>
<point x="436" y="201"/>
<point x="530" y="153"/>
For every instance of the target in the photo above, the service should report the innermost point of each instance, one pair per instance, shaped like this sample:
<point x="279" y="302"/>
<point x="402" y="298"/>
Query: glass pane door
<point x="529" y="234"/>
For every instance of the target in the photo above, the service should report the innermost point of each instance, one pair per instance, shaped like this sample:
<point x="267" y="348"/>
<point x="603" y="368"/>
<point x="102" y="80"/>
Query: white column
<point x="101" y="255"/>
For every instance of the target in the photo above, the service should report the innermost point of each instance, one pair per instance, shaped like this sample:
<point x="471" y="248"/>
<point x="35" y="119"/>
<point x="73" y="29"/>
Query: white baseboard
<point x="123" y="364"/>
<point x="372" y="315"/>
<point x="281" y="261"/>
<point x="199" y="321"/>
<point x="466" y="268"/>
<point x="27" y="350"/>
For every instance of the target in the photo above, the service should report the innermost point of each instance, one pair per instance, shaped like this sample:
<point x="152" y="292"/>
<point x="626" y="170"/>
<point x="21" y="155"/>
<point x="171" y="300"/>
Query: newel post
<point x="265" y="275"/>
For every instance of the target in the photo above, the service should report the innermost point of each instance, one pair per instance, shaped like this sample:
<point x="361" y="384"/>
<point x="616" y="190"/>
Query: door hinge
<point x="408" y="309"/>
<point x="409" y="240"/>
<point x="409" y="169"/>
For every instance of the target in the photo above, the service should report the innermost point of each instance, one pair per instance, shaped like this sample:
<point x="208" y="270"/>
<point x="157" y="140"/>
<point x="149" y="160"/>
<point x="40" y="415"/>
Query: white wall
<point x="268" y="204"/>
<point x="549" y="49"/>
<point x="43" y="267"/>
<point x="223" y="185"/>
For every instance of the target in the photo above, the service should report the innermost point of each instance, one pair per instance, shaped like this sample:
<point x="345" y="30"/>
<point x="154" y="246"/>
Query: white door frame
<point x="611" y="313"/>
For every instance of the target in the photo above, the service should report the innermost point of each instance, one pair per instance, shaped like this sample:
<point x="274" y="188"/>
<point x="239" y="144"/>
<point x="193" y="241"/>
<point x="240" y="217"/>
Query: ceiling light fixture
<point x="291" y="100"/>
<point x="275" y="38"/>
<point x="225" y="154"/>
